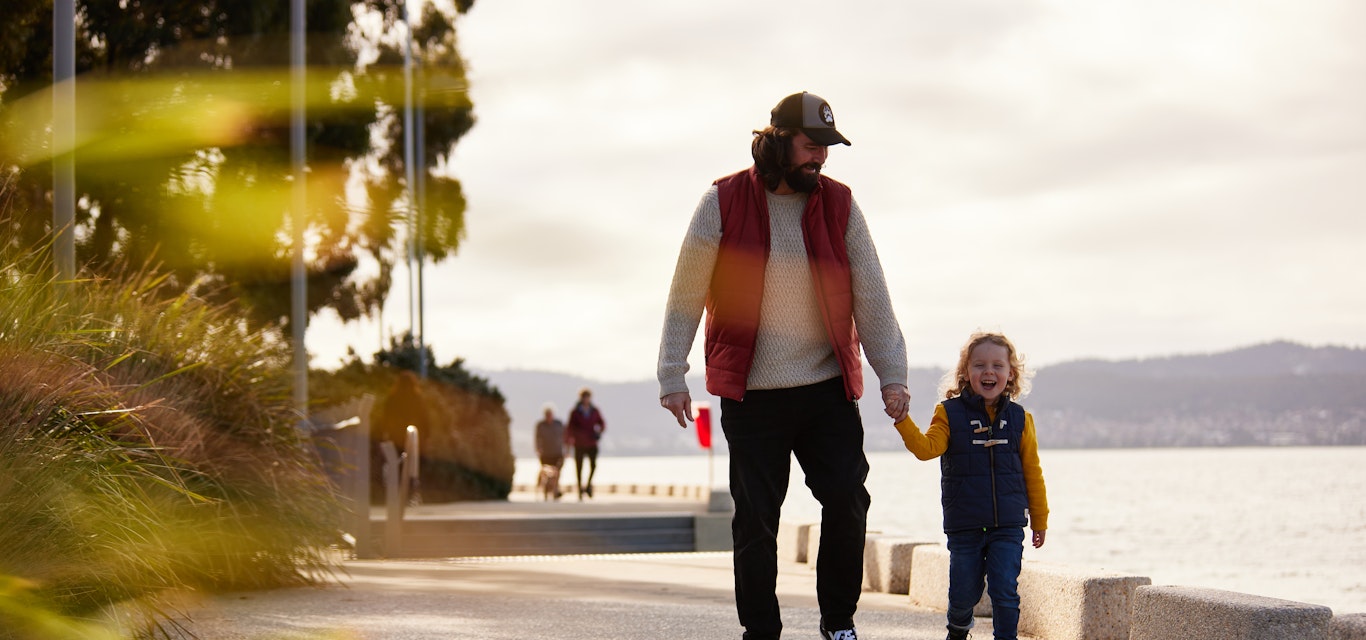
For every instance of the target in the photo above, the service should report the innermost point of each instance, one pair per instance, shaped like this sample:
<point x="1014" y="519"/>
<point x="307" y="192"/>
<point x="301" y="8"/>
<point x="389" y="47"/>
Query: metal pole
<point x="64" y="137"/>
<point x="298" y="58"/>
<point x="408" y="169"/>
<point x="421" y="215"/>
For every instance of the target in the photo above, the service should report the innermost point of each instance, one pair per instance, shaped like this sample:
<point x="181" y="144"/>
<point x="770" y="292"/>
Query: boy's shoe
<point x="957" y="634"/>
<point x="842" y="634"/>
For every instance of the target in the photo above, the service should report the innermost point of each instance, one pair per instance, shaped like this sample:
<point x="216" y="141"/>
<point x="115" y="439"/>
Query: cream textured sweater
<point x="792" y="349"/>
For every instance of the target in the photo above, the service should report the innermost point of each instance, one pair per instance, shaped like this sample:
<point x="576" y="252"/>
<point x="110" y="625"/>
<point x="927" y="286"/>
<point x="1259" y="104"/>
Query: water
<point x="1280" y="522"/>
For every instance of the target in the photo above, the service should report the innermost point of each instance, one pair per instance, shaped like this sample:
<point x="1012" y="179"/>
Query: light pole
<point x="64" y="138"/>
<point x="408" y="173"/>
<point x="299" y="290"/>
<point x="410" y="155"/>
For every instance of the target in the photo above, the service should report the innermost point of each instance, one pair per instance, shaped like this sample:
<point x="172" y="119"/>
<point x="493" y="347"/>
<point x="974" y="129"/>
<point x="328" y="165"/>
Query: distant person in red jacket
<point x="583" y="430"/>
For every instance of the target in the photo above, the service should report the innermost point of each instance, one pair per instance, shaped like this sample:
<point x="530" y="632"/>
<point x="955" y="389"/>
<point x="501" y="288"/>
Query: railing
<point x="401" y="484"/>
<point x="342" y="437"/>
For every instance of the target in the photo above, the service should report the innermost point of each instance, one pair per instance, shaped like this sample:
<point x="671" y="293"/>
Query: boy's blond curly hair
<point x="955" y="382"/>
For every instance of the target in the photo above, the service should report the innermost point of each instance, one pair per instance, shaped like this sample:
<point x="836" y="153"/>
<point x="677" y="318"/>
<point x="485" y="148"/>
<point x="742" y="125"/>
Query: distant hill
<point x="1278" y="393"/>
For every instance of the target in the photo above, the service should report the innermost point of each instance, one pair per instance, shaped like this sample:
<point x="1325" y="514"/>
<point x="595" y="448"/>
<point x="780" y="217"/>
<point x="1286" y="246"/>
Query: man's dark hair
<point x="772" y="151"/>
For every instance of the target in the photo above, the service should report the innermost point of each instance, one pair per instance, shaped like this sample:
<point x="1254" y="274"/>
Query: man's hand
<point x="897" y="400"/>
<point x="679" y="404"/>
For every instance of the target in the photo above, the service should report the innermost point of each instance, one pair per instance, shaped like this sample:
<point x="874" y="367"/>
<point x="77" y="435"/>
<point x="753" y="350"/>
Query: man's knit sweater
<point x="792" y="349"/>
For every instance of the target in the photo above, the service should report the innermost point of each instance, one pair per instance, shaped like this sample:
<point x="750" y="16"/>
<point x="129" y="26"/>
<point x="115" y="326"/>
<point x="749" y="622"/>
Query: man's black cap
<point x="810" y="113"/>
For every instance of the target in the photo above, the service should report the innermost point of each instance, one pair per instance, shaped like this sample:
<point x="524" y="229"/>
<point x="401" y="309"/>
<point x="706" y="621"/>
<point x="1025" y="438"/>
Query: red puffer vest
<point x="737" y="283"/>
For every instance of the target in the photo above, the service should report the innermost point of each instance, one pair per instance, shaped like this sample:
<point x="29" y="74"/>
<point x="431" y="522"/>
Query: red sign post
<point x="704" y="425"/>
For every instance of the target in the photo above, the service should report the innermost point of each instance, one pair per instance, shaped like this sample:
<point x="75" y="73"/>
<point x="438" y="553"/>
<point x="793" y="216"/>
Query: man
<point x="781" y="259"/>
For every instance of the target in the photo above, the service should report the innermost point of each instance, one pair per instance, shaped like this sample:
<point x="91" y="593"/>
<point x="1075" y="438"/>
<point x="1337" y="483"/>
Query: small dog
<point x="548" y="483"/>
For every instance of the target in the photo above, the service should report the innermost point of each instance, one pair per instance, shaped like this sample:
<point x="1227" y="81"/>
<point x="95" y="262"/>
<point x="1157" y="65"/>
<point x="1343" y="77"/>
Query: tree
<point x="183" y="143"/>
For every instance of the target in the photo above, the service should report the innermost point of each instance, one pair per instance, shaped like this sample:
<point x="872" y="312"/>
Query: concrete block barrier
<point x="813" y="544"/>
<point x="929" y="585"/>
<point x="792" y="537"/>
<point x="720" y="501"/>
<point x="1059" y="602"/>
<point x="887" y="563"/>
<point x="1181" y="613"/>
<point x="711" y="532"/>
<point x="1348" y="627"/>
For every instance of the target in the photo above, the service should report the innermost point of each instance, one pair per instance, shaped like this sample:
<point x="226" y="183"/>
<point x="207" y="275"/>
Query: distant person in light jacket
<point x="583" y="431"/>
<point x="992" y="482"/>
<point x="550" y="451"/>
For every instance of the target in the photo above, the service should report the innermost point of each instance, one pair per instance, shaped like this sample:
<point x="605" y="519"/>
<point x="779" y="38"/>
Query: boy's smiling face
<point x="989" y="370"/>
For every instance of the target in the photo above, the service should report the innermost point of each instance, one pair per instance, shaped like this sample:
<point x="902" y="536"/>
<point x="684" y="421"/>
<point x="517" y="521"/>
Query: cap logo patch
<point x="827" y="115"/>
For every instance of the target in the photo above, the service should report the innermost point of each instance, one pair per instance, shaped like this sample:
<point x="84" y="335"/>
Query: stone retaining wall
<point x="1172" y="613"/>
<point x="1059" y="602"/>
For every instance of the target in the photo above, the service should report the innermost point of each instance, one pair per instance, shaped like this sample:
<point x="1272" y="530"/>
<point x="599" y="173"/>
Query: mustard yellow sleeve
<point x="1033" y="475"/>
<point x="931" y="444"/>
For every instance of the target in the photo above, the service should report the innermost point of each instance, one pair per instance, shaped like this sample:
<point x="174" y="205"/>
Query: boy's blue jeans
<point x="993" y="555"/>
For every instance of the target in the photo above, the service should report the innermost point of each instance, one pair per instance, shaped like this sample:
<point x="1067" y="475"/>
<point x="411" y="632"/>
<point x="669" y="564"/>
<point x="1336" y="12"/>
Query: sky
<point x="1095" y="178"/>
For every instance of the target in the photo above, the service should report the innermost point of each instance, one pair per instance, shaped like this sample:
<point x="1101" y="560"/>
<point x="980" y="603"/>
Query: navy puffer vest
<point x="983" y="478"/>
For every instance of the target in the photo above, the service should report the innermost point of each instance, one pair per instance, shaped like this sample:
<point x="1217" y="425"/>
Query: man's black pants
<point x="822" y="428"/>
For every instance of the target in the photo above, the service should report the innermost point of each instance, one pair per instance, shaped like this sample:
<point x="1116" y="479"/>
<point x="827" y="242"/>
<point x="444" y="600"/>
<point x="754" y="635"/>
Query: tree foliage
<point x="355" y="377"/>
<point x="183" y="155"/>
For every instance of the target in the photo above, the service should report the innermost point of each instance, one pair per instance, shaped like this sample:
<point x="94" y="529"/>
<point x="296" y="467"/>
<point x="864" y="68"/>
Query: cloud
<point x="1100" y="178"/>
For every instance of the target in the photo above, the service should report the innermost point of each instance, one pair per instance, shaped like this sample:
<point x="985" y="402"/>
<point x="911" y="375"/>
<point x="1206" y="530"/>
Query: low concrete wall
<point x="711" y="532"/>
<point x="887" y="563"/>
<point x="1348" y="627"/>
<point x="886" y="559"/>
<point x="1059" y="602"/>
<point x="792" y="541"/>
<point x="682" y="492"/>
<point x="1181" y="613"/>
<point x="813" y="544"/>
<point x="1056" y="602"/>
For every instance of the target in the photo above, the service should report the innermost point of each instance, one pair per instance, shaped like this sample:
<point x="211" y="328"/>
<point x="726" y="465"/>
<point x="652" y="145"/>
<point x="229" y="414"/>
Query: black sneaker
<point x="958" y="634"/>
<point x="842" y="634"/>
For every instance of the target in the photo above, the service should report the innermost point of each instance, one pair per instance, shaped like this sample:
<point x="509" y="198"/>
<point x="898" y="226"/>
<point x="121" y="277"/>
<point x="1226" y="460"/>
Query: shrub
<point x="147" y="447"/>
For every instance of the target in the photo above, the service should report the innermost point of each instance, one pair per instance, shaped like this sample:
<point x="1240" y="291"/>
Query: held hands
<point x="679" y="404"/>
<point x="1038" y="538"/>
<point x="897" y="400"/>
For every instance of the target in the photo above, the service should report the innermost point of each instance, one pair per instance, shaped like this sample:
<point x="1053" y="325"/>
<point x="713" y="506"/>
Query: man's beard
<point x="799" y="180"/>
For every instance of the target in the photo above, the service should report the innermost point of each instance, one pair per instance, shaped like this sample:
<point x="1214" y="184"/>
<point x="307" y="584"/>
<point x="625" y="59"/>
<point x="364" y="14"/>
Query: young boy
<point x="991" y="477"/>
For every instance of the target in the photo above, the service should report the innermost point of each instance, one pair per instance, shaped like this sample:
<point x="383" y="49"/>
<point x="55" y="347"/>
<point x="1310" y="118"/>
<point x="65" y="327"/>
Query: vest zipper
<point x="991" y="454"/>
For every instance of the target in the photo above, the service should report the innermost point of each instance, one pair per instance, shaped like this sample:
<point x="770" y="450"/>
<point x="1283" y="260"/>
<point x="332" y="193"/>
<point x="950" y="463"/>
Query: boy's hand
<point x="1038" y="538"/>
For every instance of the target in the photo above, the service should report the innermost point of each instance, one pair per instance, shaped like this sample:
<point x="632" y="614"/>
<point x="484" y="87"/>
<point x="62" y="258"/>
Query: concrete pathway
<point x="668" y="596"/>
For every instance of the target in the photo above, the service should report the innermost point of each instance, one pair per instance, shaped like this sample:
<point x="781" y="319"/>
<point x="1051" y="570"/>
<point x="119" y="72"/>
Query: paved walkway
<point x="679" y="596"/>
<point x="666" y="596"/>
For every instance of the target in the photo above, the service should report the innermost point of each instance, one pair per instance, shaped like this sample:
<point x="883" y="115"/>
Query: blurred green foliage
<point x="182" y="143"/>
<point x="148" y="449"/>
